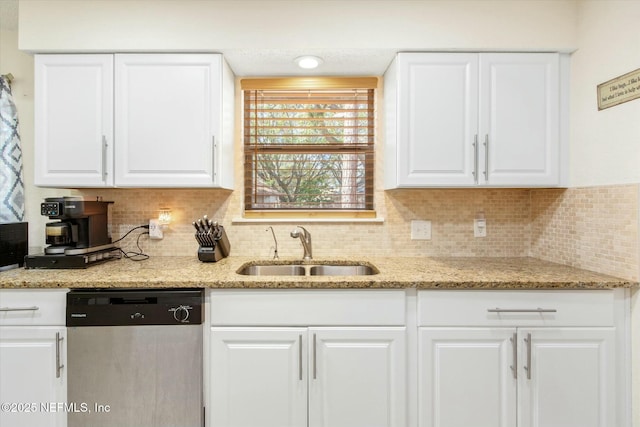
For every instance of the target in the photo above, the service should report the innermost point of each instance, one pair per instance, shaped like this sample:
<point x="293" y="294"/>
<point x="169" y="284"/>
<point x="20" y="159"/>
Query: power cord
<point x="132" y="255"/>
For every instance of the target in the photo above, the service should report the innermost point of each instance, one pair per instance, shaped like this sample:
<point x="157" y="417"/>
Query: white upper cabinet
<point x="74" y="120"/>
<point x="437" y="119"/>
<point x="469" y="119"/>
<point x="159" y="120"/>
<point x="520" y="119"/>
<point x="168" y="120"/>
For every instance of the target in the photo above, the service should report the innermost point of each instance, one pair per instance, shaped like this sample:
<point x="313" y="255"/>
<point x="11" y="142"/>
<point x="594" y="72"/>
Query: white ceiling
<point x="272" y="62"/>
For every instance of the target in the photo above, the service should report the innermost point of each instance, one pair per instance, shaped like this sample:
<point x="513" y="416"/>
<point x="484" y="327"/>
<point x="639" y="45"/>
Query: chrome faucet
<point x="275" y="241"/>
<point x="305" y="238"/>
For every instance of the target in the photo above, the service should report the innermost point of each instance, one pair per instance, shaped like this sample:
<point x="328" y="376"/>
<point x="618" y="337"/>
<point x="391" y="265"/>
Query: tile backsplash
<point x="451" y="213"/>
<point x="594" y="228"/>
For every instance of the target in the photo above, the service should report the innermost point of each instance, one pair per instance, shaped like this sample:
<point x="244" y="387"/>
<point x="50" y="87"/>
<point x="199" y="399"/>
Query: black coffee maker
<point x="83" y="225"/>
<point x="80" y="237"/>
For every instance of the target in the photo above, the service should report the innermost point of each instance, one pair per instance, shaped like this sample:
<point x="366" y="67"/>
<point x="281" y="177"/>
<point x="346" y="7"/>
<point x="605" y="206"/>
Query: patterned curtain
<point x="11" y="183"/>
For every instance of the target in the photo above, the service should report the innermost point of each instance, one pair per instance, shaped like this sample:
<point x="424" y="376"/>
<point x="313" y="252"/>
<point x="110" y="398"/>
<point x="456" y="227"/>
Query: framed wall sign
<point x="618" y="90"/>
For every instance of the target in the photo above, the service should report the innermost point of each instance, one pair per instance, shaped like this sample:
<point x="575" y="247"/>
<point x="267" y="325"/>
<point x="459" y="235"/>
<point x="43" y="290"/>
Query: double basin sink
<point x="299" y="269"/>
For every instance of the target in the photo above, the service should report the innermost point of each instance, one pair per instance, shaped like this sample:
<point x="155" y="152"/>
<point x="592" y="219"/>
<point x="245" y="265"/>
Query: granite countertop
<point x="394" y="272"/>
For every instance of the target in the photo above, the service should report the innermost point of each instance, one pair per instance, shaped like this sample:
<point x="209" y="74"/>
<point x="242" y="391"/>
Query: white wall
<point x="93" y="25"/>
<point x="605" y="145"/>
<point x="20" y="64"/>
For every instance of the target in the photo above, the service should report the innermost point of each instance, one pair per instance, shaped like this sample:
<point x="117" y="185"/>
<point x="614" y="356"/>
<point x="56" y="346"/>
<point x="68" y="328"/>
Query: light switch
<point x="420" y="230"/>
<point x="479" y="228"/>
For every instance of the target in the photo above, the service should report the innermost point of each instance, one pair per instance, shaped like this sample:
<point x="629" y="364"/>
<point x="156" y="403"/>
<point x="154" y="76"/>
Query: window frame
<point x="310" y="83"/>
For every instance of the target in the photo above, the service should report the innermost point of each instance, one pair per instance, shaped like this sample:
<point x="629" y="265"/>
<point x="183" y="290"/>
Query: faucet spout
<point x="305" y="238"/>
<point x="275" y="241"/>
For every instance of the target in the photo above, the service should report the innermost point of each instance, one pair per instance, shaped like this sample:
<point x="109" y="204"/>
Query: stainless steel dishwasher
<point x="135" y="358"/>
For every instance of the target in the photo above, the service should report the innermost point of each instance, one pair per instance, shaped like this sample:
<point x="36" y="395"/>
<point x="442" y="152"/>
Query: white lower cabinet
<point x="258" y="377"/>
<point x="536" y="373"/>
<point x="307" y="376"/>
<point x="524" y="377"/>
<point x="33" y="387"/>
<point x="357" y="377"/>
<point x="465" y="378"/>
<point x="570" y="377"/>
<point x="33" y="383"/>
<point x="296" y="376"/>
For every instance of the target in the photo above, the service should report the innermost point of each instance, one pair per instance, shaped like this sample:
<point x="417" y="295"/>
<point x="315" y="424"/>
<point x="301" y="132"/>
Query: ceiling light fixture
<point x="308" y="62"/>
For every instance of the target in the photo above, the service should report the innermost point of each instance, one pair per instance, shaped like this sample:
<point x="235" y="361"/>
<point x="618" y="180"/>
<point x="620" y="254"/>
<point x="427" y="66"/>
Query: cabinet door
<point x="567" y="377"/>
<point x="33" y="386"/>
<point x="357" y="377"/>
<point x="167" y="114"/>
<point x="437" y="119"/>
<point x="74" y="120"/>
<point x="466" y="377"/>
<point x="258" y="377"/>
<point x="519" y="119"/>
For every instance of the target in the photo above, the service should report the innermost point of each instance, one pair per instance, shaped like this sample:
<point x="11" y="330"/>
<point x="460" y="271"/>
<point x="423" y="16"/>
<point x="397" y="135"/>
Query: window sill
<point x="261" y="217"/>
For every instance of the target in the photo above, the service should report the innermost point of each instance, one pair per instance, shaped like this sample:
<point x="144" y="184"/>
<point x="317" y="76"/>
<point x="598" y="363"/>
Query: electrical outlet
<point x="479" y="228"/>
<point x="155" y="230"/>
<point x="420" y="230"/>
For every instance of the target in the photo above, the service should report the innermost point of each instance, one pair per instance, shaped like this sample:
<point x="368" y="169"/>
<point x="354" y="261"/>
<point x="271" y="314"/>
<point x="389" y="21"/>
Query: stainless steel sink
<point x="273" y="270"/>
<point x="341" y="270"/>
<point x="296" y="269"/>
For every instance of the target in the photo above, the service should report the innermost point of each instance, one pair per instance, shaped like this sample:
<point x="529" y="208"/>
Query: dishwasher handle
<point x="7" y="309"/>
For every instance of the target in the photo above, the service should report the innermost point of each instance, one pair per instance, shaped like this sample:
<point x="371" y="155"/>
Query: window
<point x="309" y="143"/>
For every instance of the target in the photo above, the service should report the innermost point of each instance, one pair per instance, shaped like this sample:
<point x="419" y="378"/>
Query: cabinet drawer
<point x="32" y="307"/>
<point x="308" y="307"/>
<point x="516" y="308"/>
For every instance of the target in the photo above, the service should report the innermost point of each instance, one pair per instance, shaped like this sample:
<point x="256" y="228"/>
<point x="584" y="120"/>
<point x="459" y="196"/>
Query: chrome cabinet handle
<point x="300" y="357"/>
<point x="514" y="345"/>
<point x="104" y="158"/>
<point x="58" y="365"/>
<point x="522" y="310"/>
<point x="34" y="308"/>
<point x="527" y="368"/>
<point x="213" y="157"/>
<point x="486" y="157"/>
<point x="475" y="158"/>
<point x="315" y="365"/>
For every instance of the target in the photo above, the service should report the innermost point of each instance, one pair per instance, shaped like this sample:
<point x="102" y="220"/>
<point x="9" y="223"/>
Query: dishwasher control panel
<point x="130" y="307"/>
